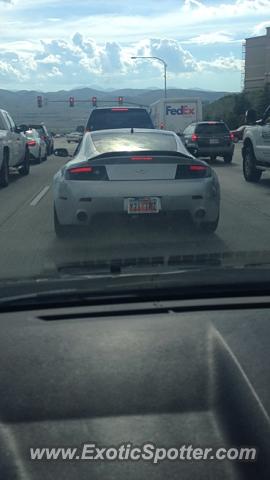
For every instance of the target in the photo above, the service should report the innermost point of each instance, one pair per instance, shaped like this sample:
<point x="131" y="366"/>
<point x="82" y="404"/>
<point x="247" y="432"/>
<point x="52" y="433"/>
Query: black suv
<point x="209" y="139"/>
<point x="47" y="136"/>
<point x="118" y="117"/>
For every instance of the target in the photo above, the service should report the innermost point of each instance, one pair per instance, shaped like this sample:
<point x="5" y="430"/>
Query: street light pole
<point x="165" y="70"/>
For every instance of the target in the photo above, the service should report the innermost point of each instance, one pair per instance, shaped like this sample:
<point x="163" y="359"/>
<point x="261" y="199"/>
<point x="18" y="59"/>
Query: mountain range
<point x="60" y="117"/>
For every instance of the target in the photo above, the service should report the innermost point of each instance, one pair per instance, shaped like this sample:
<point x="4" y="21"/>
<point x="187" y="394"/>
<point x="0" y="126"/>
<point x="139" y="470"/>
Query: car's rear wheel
<point x="228" y="158"/>
<point x="24" y="168"/>
<point x="45" y="156"/>
<point x="251" y="173"/>
<point x="4" y="172"/>
<point x="61" y="231"/>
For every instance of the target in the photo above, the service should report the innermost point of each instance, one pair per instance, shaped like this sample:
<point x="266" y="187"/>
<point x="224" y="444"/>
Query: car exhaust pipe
<point x="200" y="214"/>
<point x="82" y="216"/>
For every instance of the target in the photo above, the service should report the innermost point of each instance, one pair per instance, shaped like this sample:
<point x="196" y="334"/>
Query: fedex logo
<point x="183" y="110"/>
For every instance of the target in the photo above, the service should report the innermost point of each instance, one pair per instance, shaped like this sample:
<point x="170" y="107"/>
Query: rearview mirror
<point x="61" y="152"/>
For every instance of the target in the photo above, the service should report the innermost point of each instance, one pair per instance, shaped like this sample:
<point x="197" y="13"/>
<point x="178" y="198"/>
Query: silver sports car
<point x="134" y="172"/>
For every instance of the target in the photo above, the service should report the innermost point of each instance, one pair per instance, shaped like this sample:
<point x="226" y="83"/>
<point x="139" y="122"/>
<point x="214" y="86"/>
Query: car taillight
<point x="117" y="109"/>
<point x="86" y="172"/>
<point x="194" y="137"/>
<point x="232" y="136"/>
<point x="31" y="143"/>
<point x="81" y="170"/>
<point x="141" y="158"/>
<point x="192" y="171"/>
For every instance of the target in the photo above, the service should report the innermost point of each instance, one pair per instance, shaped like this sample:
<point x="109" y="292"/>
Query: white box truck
<point x="176" y="113"/>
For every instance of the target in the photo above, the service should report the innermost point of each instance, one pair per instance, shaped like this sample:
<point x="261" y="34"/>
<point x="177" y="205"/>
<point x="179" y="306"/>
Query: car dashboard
<point x="192" y="373"/>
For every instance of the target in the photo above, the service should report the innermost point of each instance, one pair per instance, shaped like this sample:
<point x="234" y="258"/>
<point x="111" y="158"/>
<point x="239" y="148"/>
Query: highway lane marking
<point x="39" y="196"/>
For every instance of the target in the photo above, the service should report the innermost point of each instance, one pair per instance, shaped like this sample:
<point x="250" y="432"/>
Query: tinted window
<point x="116" y="118"/>
<point x="40" y="129"/>
<point x="5" y="115"/>
<point x="31" y="134"/>
<point x="13" y="126"/>
<point x="189" y="130"/>
<point x="212" y="128"/>
<point x="133" y="141"/>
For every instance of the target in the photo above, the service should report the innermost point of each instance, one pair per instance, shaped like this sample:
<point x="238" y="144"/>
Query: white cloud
<point x="260" y="28"/>
<point x="222" y="64"/>
<point x="211" y="39"/>
<point x="55" y="72"/>
<point x="86" y="59"/>
<point x="181" y="26"/>
<point x="177" y="58"/>
<point x="50" y="59"/>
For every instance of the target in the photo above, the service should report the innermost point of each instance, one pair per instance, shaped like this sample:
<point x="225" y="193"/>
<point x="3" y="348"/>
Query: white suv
<point x="14" y="151"/>
<point x="256" y="146"/>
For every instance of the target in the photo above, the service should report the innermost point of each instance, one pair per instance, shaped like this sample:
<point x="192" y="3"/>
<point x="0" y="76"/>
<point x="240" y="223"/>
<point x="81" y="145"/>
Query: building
<point x="257" y="61"/>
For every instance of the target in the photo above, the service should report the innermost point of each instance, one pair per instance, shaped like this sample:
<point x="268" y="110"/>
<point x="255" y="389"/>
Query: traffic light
<point x="71" y="101"/>
<point x="94" y="101"/>
<point x="120" y="100"/>
<point x="39" y="101"/>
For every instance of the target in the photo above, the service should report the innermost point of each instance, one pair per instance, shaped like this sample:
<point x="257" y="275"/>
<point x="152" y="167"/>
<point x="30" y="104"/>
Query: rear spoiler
<point x="153" y="153"/>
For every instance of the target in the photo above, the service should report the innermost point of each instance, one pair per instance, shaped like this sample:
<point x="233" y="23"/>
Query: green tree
<point x="241" y="105"/>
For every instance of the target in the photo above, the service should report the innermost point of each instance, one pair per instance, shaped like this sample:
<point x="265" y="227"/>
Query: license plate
<point x="143" y="205"/>
<point x="214" y="141"/>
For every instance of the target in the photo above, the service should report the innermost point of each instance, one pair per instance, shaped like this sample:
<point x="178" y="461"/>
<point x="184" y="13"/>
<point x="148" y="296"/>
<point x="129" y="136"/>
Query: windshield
<point x="178" y="77"/>
<point x="119" y="118"/>
<point x="31" y="134"/>
<point x="113" y="142"/>
<point x="211" y="128"/>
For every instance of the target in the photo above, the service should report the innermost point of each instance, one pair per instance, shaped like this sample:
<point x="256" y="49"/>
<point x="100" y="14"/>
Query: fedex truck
<point x="176" y="113"/>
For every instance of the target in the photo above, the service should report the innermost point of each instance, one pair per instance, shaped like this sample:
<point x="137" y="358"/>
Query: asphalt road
<point x="29" y="247"/>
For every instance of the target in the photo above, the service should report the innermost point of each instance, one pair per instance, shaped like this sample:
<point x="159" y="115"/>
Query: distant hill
<point x="232" y="108"/>
<point x="60" y="117"/>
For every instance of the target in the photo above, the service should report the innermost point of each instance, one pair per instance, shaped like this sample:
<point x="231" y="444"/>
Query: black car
<point x="46" y="135"/>
<point x="209" y="139"/>
<point x="118" y="117"/>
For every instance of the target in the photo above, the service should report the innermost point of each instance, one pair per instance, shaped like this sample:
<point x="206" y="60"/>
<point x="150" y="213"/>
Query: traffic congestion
<point x="192" y="183"/>
<point x="134" y="240"/>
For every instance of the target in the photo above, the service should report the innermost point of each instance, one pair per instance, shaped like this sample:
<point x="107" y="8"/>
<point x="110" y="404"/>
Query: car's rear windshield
<point x="39" y="128"/>
<point x="212" y="128"/>
<point x="119" y="118"/>
<point x="31" y="134"/>
<point x="119" y="142"/>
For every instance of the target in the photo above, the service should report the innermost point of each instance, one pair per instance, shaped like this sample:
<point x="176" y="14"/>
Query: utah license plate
<point x="143" y="205"/>
<point x="214" y="141"/>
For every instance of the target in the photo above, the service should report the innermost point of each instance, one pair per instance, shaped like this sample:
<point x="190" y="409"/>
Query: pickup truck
<point x="256" y="146"/>
<point x="14" y="150"/>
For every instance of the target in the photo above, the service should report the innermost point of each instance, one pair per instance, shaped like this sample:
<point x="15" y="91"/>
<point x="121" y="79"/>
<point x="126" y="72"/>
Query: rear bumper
<point x="209" y="151"/>
<point x="79" y="205"/>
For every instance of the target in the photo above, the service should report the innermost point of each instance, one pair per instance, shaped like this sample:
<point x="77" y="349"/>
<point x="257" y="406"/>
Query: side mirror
<point x="266" y="115"/>
<point x="61" y="152"/>
<point x="251" y="117"/>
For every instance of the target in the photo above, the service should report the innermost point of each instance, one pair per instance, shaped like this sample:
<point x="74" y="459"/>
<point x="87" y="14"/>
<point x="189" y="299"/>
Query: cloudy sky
<point x="61" y="44"/>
